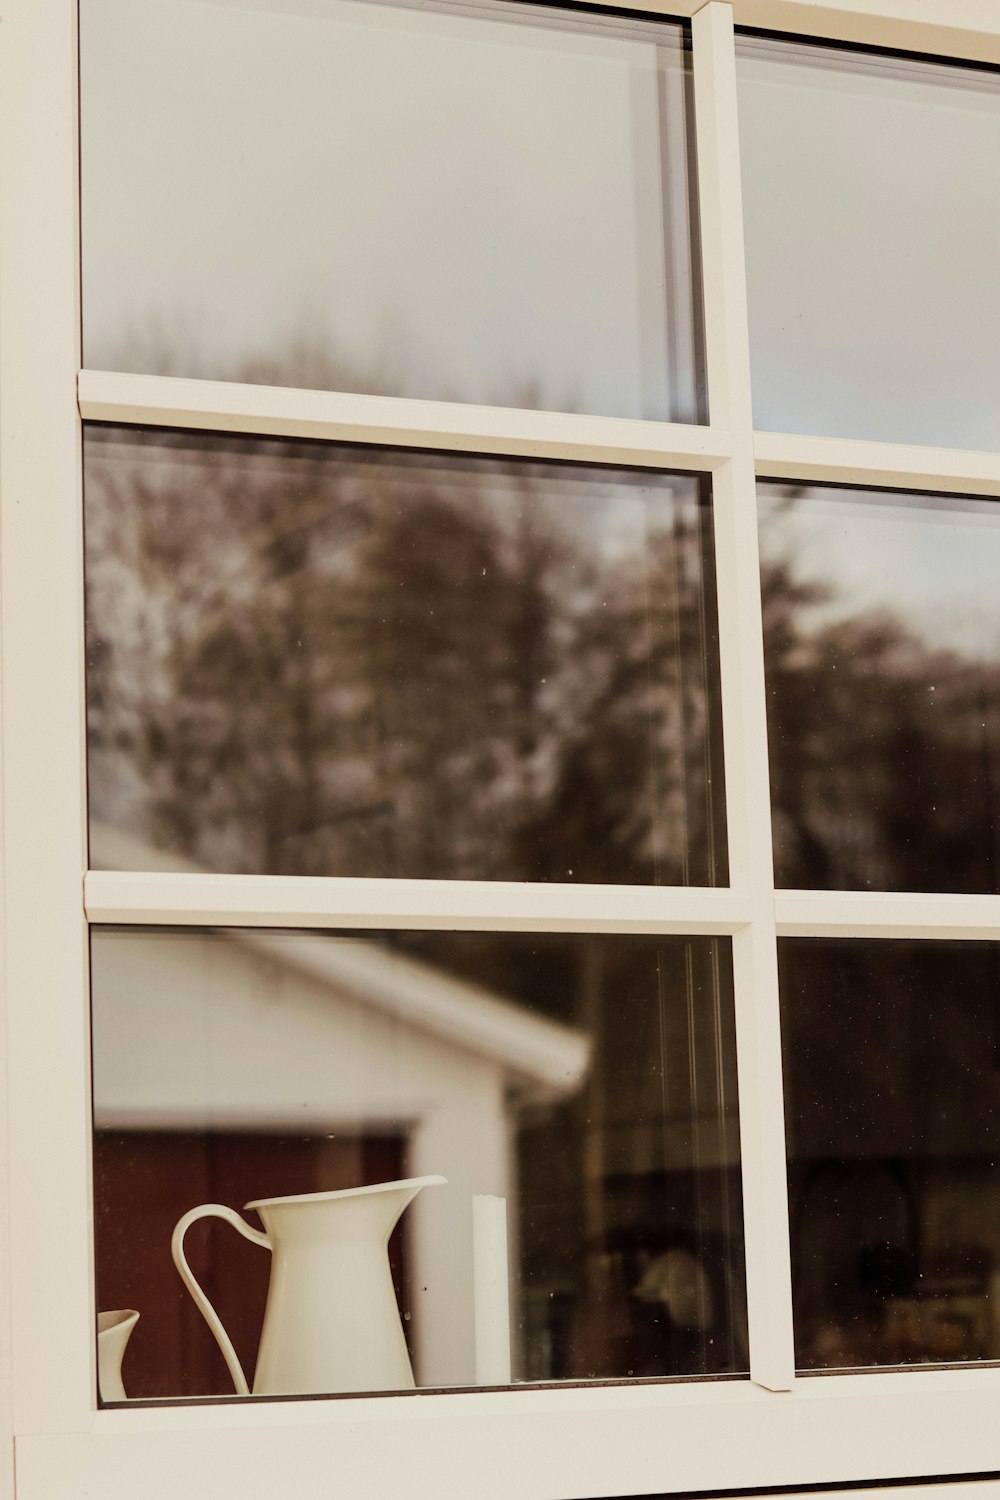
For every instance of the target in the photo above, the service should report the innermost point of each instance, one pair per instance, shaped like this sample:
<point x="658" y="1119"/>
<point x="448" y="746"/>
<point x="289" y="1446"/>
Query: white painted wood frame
<point x="539" y="1444"/>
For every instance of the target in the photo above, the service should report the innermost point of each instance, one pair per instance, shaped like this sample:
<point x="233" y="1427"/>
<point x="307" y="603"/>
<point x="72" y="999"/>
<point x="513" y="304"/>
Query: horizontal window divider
<point x="960" y="28"/>
<point x="193" y="899"/>
<point x="781" y="455"/>
<point x="273" y="411"/>
<point x="880" y="914"/>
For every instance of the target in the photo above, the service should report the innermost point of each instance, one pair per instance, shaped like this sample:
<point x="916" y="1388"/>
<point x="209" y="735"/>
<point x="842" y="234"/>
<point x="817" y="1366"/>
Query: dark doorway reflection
<point x="882" y="653"/>
<point x="146" y="1179"/>
<point x="315" y="659"/>
<point x="892" y="1084"/>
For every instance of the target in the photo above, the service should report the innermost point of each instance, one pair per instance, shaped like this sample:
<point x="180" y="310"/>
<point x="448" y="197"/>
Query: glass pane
<point x="587" y="1081"/>
<point x="308" y="659"/>
<point x="892" y="1075"/>
<point x="873" y="237"/>
<point x="882" y="653"/>
<point x="458" y="202"/>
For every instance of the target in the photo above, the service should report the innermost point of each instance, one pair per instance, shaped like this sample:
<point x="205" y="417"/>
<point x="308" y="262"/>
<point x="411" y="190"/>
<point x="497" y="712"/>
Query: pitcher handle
<point x="218" y="1211"/>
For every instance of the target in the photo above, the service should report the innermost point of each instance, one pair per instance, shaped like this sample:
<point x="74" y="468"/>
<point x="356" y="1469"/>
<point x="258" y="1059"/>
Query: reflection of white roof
<point x="541" y="1057"/>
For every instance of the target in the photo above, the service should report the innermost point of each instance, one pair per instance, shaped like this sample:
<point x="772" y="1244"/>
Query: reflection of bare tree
<point x="883" y="767"/>
<point x="305" y="660"/>
<point x="883" y="775"/>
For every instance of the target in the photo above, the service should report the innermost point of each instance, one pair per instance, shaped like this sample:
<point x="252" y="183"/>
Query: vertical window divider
<point x="758" y="1036"/>
<point x="48" y="1187"/>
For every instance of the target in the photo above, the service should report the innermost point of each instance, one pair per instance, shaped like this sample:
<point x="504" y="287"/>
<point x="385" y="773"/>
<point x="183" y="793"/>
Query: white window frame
<point x="536" y="1444"/>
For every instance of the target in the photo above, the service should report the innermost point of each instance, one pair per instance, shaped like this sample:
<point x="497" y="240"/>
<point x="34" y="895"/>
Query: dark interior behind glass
<point x="892" y="1085"/>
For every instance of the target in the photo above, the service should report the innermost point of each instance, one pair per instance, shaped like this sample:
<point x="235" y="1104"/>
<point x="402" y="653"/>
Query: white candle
<point x="492" y="1295"/>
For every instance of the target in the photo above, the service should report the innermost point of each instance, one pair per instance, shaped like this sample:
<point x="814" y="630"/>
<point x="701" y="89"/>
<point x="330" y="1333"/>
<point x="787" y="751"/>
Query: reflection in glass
<point x="892" y="1076"/>
<point x="872" y="238"/>
<point x="882" y="653"/>
<point x="590" y="1081"/>
<point x="456" y="201"/>
<point x="315" y="659"/>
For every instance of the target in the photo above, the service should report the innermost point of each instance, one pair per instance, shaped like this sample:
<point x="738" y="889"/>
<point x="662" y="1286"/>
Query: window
<point x="892" y="1181"/>
<point x="578" y="869"/>
<point x="881" y="653"/>
<point x="585" y="1082"/>
<point x="328" y="659"/>
<point x="533" y="162"/>
<point x="863" y="334"/>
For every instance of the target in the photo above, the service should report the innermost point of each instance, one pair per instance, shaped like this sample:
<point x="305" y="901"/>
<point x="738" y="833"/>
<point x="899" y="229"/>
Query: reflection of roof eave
<point x="535" y="1050"/>
<point x="545" y="1059"/>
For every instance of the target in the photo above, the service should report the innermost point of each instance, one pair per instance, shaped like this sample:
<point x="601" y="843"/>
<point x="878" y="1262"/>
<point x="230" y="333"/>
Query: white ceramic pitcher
<point x="114" y="1329"/>
<point x="331" y="1322"/>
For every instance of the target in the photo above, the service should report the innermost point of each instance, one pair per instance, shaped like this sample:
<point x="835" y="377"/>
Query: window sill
<point x="553" y="1444"/>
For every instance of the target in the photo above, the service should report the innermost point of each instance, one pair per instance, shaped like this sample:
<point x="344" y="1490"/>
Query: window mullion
<point x="887" y="914"/>
<point x="180" y="899"/>
<point x="742" y="667"/>
<point x="823" y="460"/>
<point x="348" y="417"/>
<point x="48" y="1044"/>
<point x="960" y="28"/>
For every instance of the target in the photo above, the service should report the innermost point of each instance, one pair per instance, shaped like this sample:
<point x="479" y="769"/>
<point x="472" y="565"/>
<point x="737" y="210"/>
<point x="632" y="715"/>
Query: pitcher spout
<point x="370" y="1212"/>
<point x="413" y="1184"/>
